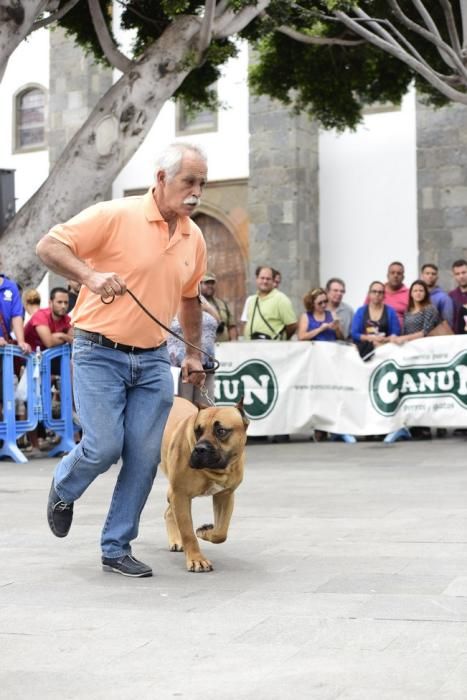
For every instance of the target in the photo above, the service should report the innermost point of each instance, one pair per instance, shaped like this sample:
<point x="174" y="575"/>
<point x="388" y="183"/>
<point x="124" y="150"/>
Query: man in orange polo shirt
<point x="123" y="386"/>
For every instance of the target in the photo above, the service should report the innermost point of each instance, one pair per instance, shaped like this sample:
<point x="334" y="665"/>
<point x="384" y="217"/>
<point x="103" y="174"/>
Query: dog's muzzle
<point x="205" y="456"/>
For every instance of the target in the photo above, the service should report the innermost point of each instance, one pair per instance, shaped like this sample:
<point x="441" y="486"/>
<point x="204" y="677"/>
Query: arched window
<point x="30" y="119"/>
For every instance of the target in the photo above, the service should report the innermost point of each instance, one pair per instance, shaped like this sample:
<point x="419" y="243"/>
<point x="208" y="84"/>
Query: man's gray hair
<point x="170" y="160"/>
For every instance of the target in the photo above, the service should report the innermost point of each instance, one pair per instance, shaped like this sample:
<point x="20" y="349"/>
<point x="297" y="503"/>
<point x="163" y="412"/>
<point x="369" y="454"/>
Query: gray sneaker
<point x="127" y="566"/>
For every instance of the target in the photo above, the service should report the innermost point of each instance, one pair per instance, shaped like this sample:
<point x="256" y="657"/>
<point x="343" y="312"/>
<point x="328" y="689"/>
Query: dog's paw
<point x="198" y="566"/>
<point x="176" y="547"/>
<point x="202" y="532"/>
<point x="210" y="534"/>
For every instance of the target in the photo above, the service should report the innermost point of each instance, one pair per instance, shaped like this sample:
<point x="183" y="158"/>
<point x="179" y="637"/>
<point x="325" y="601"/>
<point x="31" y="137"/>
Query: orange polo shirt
<point x="129" y="236"/>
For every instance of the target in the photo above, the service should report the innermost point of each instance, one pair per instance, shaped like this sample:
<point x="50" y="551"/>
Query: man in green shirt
<point x="270" y="315"/>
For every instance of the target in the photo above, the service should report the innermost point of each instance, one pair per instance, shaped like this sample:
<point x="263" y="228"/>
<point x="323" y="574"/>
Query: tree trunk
<point x="103" y="145"/>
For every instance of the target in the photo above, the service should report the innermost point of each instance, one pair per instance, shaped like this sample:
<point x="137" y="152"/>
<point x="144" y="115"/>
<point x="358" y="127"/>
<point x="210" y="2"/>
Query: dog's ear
<point x="239" y="407"/>
<point x="201" y="406"/>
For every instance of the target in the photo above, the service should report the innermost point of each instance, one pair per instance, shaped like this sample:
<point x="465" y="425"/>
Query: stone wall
<point x="442" y="187"/>
<point x="283" y="197"/>
<point x="76" y="84"/>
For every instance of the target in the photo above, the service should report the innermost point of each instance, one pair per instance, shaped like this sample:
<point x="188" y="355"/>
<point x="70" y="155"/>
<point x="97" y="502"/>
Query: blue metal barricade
<point x="10" y="428"/>
<point x="38" y="400"/>
<point x="64" y="425"/>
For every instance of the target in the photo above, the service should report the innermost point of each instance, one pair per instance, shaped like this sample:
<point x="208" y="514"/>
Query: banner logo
<point x="255" y="381"/>
<point x="392" y="384"/>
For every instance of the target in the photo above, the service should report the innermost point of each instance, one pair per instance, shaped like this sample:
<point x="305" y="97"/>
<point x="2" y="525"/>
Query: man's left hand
<point x="192" y="371"/>
<point x="25" y="347"/>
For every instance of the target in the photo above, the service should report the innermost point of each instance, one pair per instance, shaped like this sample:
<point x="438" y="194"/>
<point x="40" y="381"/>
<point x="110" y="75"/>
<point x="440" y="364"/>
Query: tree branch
<point x="403" y="43"/>
<point x="451" y="25"/>
<point x="221" y="7"/>
<point x="426" y="17"/>
<point x="463" y="9"/>
<point x="115" y="57"/>
<point x="230" y="22"/>
<point x="446" y="52"/>
<point x="205" y="34"/>
<point x="15" y="24"/>
<point x="402" y="55"/>
<point x="319" y="40"/>
<point x="54" y="16"/>
<point x="398" y="40"/>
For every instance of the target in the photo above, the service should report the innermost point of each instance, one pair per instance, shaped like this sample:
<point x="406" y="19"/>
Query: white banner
<point x="293" y="387"/>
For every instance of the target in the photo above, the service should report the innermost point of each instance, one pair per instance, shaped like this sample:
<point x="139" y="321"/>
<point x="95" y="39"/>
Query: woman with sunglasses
<point x="317" y="323"/>
<point x="374" y="322"/>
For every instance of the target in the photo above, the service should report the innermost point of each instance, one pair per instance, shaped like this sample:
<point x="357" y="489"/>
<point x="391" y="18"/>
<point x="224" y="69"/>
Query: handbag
<point x="443" y="328"/>
<point x="260" y="336"/>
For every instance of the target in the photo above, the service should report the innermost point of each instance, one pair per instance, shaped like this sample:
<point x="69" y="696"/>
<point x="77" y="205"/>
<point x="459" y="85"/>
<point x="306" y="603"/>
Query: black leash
<point x="176" y="335"/>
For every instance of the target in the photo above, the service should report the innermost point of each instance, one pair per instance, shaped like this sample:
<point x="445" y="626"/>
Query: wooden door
<point x="225" y="260"/>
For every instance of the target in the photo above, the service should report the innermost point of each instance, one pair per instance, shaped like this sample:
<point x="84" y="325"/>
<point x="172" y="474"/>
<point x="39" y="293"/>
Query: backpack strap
<point x="275" y="335"/>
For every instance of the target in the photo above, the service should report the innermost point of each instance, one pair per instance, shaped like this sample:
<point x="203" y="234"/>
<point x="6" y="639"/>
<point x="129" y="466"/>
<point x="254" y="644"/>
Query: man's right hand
<point x="105" y="284"/>
<point x="192" y="371"/>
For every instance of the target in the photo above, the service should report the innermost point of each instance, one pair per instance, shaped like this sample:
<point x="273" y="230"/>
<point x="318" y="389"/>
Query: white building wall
<point x="28" y="64"/>
<point x="368" y="200"/>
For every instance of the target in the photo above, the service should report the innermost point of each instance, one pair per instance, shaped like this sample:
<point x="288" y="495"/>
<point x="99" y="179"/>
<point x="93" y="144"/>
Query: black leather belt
<point x="107" y="343"/>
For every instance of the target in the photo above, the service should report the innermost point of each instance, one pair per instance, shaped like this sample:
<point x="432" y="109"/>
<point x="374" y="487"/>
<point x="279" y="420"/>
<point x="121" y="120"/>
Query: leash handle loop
<point x="176" y="335"/>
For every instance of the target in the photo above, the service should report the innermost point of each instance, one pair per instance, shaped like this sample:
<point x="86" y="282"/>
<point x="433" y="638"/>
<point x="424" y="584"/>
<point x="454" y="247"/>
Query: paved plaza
<point x="344" y="578"/>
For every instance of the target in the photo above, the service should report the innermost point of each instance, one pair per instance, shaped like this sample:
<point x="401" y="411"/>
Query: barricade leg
<point x="8" y="431"/>
<point x="343" y="437"/>
<point x="63" y="426"/>
<point x="401" y="434"/>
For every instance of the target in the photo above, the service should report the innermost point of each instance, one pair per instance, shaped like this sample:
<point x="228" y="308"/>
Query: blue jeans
<point x="123" y="401"/>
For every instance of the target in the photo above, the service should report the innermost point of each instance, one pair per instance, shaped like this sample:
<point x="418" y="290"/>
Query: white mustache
<point x="192" y="200"/>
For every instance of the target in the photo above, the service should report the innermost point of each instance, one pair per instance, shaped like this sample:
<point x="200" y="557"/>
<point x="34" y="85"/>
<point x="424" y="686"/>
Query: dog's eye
<point x="198" y="432"/>
<point x="222" y="432"/>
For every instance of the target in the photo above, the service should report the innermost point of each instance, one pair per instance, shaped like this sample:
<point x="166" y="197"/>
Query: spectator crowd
<point x="390" y="313"/>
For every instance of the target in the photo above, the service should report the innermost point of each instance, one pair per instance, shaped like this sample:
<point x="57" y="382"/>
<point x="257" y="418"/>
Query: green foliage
<point x="196" y="90"/>
<point x="333" y="83"/>
<point x="149" y="19"/>
<point x="175" y="7"/>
